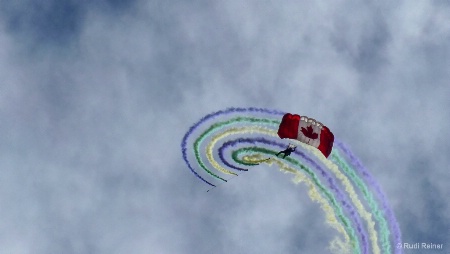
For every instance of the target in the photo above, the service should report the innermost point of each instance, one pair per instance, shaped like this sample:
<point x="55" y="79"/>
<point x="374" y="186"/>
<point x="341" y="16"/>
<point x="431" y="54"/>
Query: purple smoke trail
<point x="222" y="157"/>
<point x="213" y="115"/>
<point x="365" y="173"/>
<point x="342" y="198"/>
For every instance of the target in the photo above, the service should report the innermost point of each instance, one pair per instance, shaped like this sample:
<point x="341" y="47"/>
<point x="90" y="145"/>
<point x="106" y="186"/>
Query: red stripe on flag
<point x="289" y="126"/>
<point x="326" y="141"/>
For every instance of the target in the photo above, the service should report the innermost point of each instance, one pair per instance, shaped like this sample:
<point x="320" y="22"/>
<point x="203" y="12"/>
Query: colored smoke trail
<point x="348" y="187"/>
<point x="354" y="161"/>
<point x="315" y="195"/>
<point x="260" y="131"/>
<point x="332" y="195"/>
<point x="217" y="127"/>
<point x="368" y="197"/>
<point x="210" y="117"/>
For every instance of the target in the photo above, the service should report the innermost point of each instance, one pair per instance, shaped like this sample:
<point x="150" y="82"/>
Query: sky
<point x="96" y="96"/>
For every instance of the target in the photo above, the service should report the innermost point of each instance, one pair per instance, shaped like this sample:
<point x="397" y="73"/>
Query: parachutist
<point x="287" y="151"/>
<point x="308" y="131"/>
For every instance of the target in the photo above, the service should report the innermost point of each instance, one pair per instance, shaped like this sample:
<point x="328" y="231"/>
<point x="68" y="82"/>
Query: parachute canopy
<point x="308" y="131"/>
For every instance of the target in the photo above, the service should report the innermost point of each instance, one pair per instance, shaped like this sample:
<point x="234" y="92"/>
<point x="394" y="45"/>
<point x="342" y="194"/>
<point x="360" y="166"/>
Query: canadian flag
<point x="307" y="130"/>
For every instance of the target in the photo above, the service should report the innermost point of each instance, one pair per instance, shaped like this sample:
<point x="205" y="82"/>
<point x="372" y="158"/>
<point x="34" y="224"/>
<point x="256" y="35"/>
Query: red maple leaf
<point x="309" y="133"/>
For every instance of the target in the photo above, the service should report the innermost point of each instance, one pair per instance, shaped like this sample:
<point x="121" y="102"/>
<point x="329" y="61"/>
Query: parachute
<point x="307" y="130"/>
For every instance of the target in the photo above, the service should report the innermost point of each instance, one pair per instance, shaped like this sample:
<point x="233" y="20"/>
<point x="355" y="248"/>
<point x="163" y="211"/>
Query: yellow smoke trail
<point x="337" y="245"/>
<point x="228" y="132"/>
<point x="334" y="169"/>
<point x="373" y="234"/>
<point x="248" y="158"/>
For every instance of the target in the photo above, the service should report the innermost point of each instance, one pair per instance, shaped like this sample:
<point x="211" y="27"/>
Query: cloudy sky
<point x="95" y="97"/>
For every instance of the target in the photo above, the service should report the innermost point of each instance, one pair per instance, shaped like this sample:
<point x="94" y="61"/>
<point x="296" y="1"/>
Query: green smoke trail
<point x="220" y="125"/>
<point x="354" y="242"/>
<point x="368" y="197"/>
